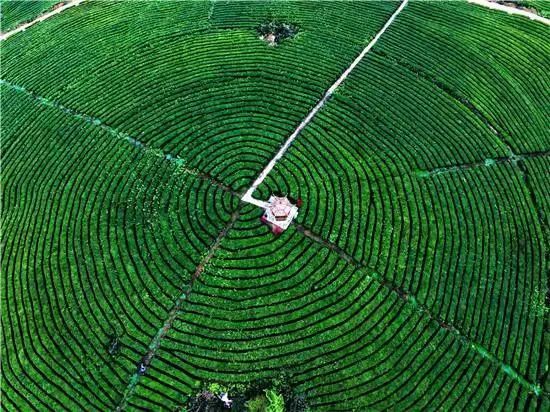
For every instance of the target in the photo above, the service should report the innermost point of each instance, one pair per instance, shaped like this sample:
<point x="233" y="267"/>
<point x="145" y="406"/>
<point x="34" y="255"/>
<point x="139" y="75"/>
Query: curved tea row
<point x="268" y="306"/>
<point x="14" y="13"/>
<point x="100" y="238"/>
<point x="193" y="79"/>
<point x="403" y="173"/>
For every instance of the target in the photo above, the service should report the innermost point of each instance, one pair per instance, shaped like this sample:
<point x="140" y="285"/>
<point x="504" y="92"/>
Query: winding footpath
<point x="510" y="10"/>
<point x="247" y="197"/>
<point x="40" y="18"/>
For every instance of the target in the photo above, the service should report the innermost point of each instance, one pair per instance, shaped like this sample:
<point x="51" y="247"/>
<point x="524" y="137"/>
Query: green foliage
<point x="541" y="7"/>
<point x="16" y="12"/>
<point x="257" y="404"/>
<point x="278" y="30"/>
<point x="275" y="401"/>
<point x="538" y="302"/>
<point x="216" y="388"/>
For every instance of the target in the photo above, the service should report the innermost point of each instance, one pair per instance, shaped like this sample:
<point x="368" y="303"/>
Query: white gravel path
<point x="40" y="18"/>
<point x="247" y="197"/>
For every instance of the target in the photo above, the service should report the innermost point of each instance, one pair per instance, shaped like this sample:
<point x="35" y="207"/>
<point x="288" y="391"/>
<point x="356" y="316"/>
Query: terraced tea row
<point x="467" y="245"/>
<point x="463" y="47"/>
<point x="459" y="243"/>
<point x="271" y="305"/>
<point x="201" y="85"/>
<point x="14" y="12"/>
<point x="100" y="237"/>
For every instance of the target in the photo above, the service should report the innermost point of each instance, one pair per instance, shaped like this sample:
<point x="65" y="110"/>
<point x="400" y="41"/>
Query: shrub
<point x="276" y="31"/>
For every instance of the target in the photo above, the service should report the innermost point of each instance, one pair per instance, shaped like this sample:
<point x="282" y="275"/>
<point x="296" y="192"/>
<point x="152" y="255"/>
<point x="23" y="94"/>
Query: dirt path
<point x="510" y="10"/>
<point x="117" y="134"/>
<point x="173" y="314"/>
<point x="40" y="18"/>
<point x="247" y="197"/>
<point x="425" y="311"/>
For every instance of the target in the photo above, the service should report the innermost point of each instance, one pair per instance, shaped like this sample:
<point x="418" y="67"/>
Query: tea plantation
<point x="415" y="276"/>
<point x="13" y="13"/>
<point x="541" y="7"/>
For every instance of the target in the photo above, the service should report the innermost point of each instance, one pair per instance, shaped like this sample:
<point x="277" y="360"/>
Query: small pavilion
<point x="279" y="213"/>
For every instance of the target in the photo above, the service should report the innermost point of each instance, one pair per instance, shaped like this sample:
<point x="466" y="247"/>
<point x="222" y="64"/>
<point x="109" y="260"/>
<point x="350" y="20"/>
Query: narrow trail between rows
<point x="512" y="158"/>
<point x="510" y="10"/>
<point x="534" y="387"/>
<point x="174" y="312"/>
<point x="247" y="197"/>
<point x="117" y="134"/>
<point x="40" y="18"/>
